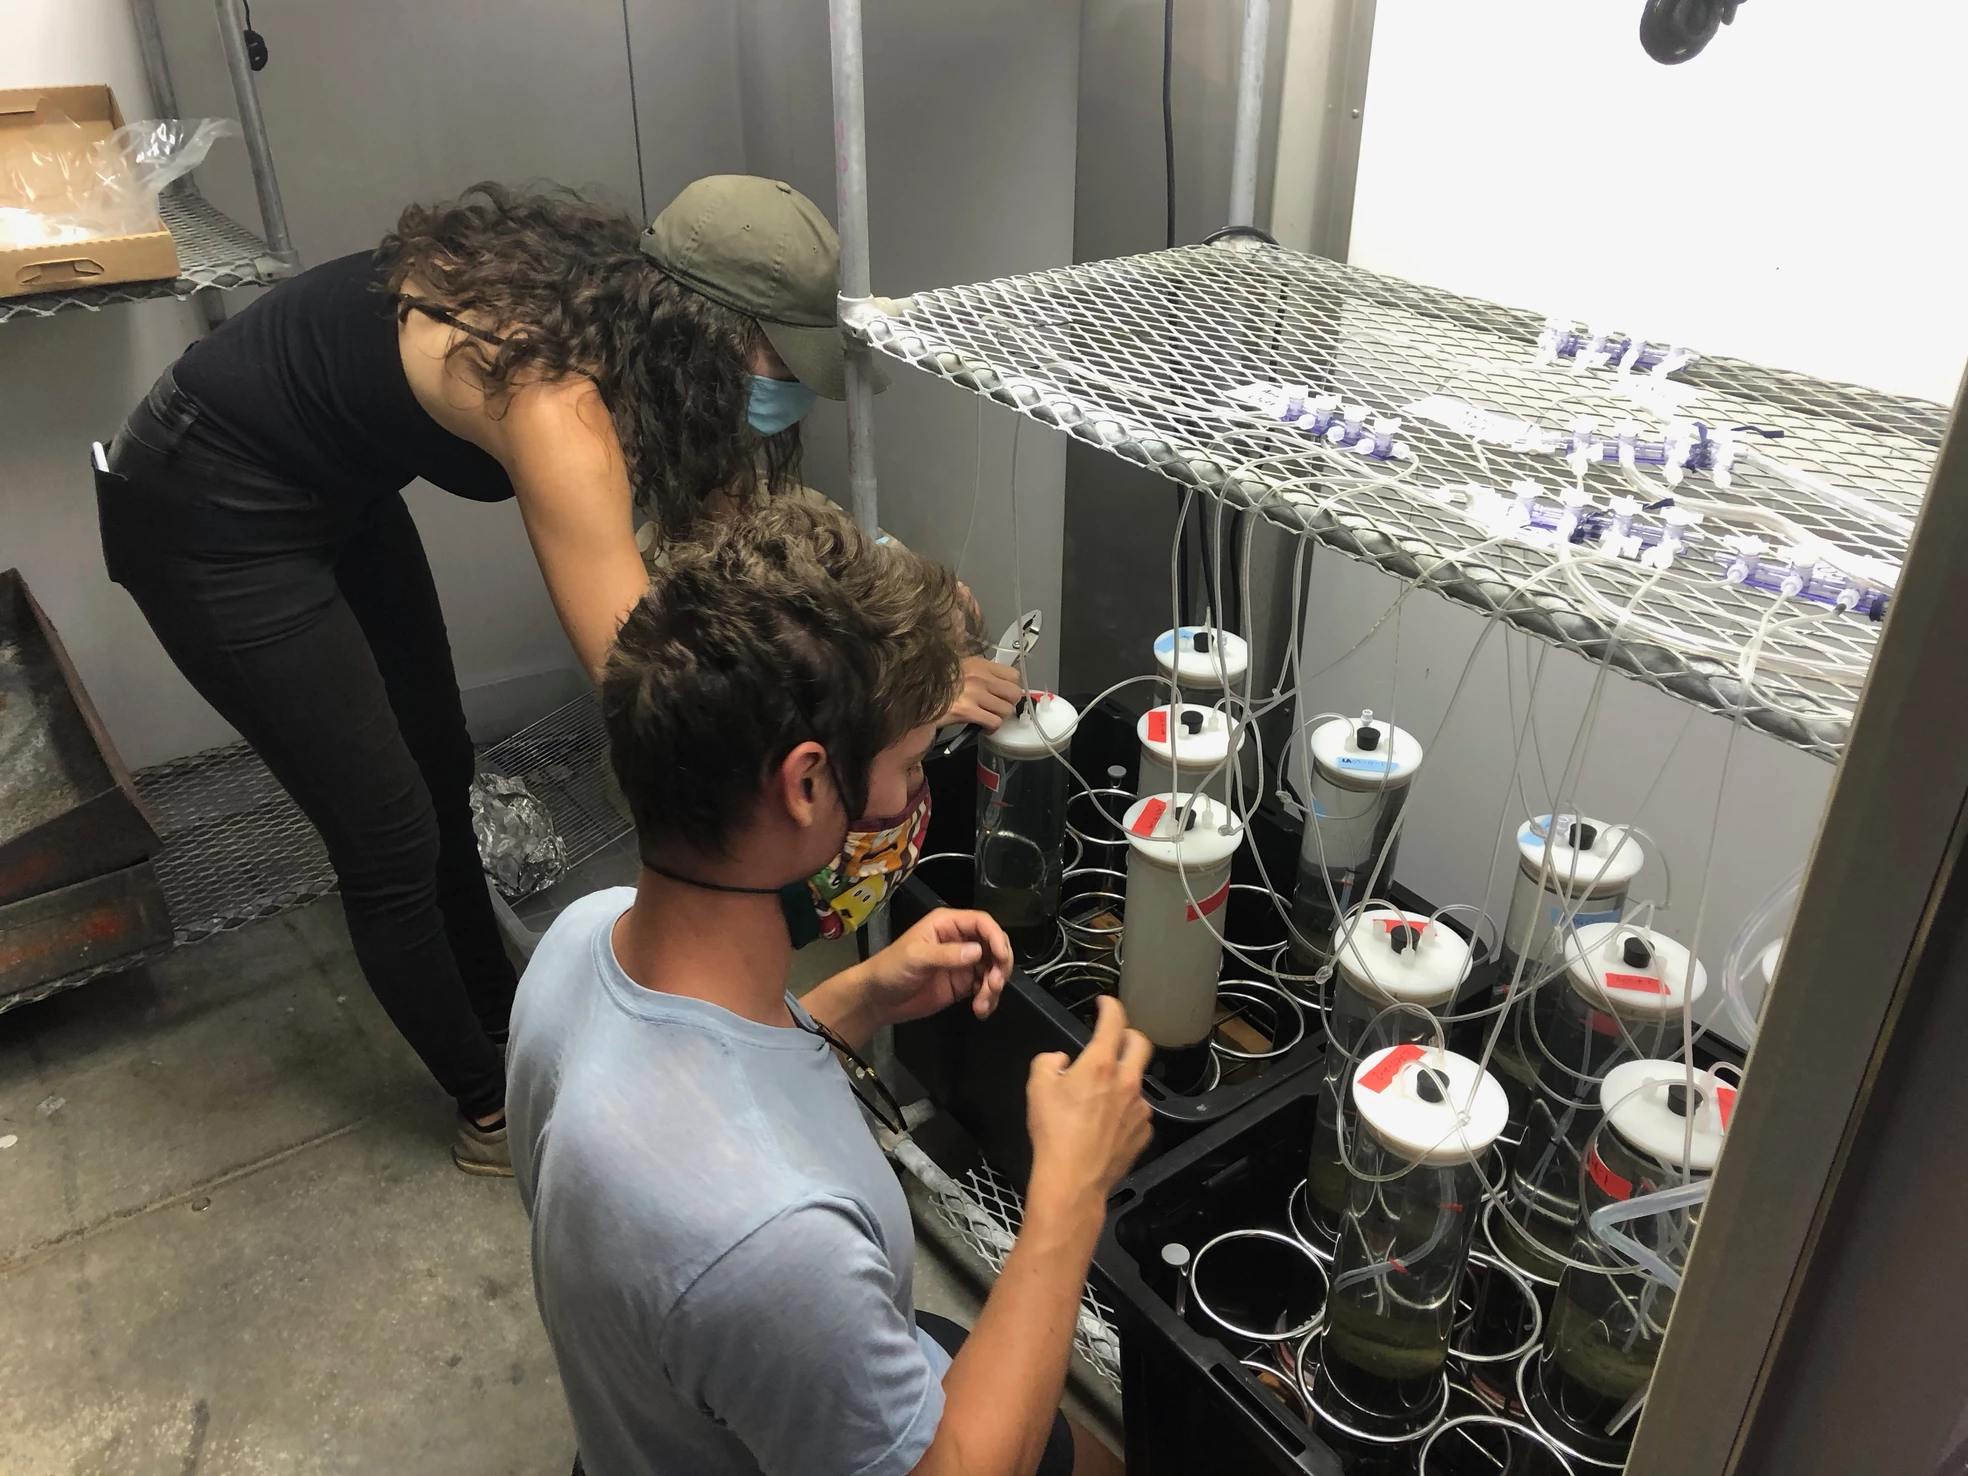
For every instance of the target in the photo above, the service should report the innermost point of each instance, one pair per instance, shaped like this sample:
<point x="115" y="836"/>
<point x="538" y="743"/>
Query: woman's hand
<point x="990" y="692"/>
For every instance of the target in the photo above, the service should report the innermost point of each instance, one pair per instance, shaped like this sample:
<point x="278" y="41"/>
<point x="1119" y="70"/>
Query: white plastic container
<point x="1575" y="862"/>
<point x="1606" y="1329"/>
<point x="1178" y="881"/>
<point x="1427" y="1118"/>
<point x="1185" y="750"/>
<point x="1021" y="818"/>
<point x="1359" y="782"/>
<point x="1623" y="1004"/>
<point x="1202" y="659"/>
<point x="1385" y="958"/>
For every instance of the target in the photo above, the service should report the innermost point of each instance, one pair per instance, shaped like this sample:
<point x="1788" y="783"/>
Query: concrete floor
<point x="234" y="1242"/>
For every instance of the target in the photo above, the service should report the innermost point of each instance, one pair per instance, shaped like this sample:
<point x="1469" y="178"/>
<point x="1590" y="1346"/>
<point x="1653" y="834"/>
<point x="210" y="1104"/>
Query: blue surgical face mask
<point x="777" y="403"/>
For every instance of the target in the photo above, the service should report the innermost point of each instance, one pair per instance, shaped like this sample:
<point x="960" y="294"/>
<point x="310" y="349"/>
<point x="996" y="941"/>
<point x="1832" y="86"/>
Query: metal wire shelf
<point x="1149" y="357"/>
<point x="985" y="1211"/>
<point x="214" y="251"/>
<point x="563" y="759"/>
<point x="237" y="848"/>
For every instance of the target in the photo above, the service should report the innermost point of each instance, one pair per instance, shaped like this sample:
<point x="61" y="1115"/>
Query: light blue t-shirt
<point x="722" y="1256"/>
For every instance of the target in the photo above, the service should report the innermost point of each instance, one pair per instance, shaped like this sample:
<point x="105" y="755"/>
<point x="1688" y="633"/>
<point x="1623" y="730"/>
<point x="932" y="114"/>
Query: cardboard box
<point x="149" y="257"/>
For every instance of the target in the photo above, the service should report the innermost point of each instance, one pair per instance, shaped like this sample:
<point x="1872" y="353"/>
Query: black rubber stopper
<point x="1192" y="721"/>
<point x="1403" y="936"/>
<point x="1636" y="953"/>
<point x="1189" y="821"/>
<point x="1201" y="641"/>
<point x="1431" y="1085"/>
<point x="1582" y="836"/>
<point x="1368" y="738"/>
<point x="1671" y="31"/>
<point x="1677" y="1099"/>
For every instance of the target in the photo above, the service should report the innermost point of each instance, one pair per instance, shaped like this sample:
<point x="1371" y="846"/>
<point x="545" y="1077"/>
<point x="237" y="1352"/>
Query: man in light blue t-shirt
<point x="722" y="1256"/>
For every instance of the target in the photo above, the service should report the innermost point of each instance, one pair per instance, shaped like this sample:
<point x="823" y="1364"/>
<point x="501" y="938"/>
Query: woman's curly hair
<point x="561" y="280"/>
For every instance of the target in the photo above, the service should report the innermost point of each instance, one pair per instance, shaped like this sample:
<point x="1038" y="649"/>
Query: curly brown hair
<point x="788" y="625"/>
<point x="561" y="280"/>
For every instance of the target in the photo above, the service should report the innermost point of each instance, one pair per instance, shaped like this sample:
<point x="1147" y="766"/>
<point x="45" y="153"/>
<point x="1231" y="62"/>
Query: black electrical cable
<point x="1168" y="113"/>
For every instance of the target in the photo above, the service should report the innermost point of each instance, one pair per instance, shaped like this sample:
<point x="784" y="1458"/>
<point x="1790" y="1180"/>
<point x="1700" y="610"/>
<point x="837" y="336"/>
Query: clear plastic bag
<point x="65" y="186"/>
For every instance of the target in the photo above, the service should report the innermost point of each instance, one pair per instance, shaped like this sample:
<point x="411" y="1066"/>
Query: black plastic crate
<point x="976" y="1070"/>
<point x="1189" y="1404"/>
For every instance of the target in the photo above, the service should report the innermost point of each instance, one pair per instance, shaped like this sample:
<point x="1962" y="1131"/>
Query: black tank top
<point x="308" y="381"/>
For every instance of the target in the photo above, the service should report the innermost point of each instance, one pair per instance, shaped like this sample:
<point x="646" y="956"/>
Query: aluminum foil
<point x="517" y="843"/>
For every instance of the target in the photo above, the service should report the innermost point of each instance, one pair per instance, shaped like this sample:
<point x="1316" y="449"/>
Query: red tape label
<point x="1158" y="725"/>
<point x="1150" y="816"/>
<point x="1725" y="1103"/>
<point x="1604" y="1024"/>
<point x="1636" y="983"/>
<point x="1389" y="924"/>
<point x="1605" y="1178"/>
<point x="1389" y="1066"/>
<point x="988" y="778"/>
<point x="1209" y="904"/>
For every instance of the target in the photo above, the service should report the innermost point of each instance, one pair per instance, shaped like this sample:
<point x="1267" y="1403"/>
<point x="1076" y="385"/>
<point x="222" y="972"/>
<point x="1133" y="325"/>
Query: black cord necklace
<point x="691" y="881"/>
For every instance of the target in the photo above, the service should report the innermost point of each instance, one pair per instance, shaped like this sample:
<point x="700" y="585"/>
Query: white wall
<point x="1788" y="196"/>
<point x="370" y="104"/>
<point x="1781" y="197"/>
<point x="67" y="381"/>
<point x="971" y="128"/>
<point x="1650" y="761"/>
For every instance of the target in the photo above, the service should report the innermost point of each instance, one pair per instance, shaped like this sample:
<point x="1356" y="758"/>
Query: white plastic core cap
<point x="1402" y="958"/>
<point x="1588" y="857"/>
<point x="1365" y="753"/>
<point x="1630" y="971"/>
<point x="1157" y="831"/>
<point x="1429" y="1106"/>
<point x="1200" y="656"/>
<point x="1639" y="1099"/>
<point x="1045" y="726"/>
<point x="1201" y="735"/>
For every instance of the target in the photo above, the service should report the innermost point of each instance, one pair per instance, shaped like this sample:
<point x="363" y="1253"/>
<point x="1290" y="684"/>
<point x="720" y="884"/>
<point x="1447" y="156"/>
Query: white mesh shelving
<point x="214" y="251"/>
<point x="1145" y="356"/>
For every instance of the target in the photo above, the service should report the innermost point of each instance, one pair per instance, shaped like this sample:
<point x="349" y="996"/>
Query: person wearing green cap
<point x="535" y="347"/>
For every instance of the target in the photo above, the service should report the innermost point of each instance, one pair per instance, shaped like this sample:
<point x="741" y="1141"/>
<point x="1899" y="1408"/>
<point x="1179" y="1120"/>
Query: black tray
<point x="1189" y="1406"/>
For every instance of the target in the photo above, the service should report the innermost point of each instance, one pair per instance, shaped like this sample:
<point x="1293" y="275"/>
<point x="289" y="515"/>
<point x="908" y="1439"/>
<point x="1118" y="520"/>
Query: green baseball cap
<point x="760" y="247"/>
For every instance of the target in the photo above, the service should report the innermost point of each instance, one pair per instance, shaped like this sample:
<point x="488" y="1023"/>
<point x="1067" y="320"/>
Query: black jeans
<point x="1057" y="1459"/>
<point x="308" y="617"/>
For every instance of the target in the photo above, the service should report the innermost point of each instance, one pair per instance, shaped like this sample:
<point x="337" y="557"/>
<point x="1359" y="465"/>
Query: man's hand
<point x="947" y="957"/>
<point x="1088" y="1120"/>
<point x="990" y="692"/>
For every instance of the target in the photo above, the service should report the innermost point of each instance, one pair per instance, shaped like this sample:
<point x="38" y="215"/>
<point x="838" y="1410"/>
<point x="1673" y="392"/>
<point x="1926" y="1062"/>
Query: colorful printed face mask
<point x="877" y="859"/>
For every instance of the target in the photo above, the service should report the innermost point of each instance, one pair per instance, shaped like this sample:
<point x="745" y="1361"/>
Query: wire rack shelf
<point x="236" y="848"/>
<point x="1180" y="361"/>
<point x="563" y="758"/>
<point x="214" y="251"/>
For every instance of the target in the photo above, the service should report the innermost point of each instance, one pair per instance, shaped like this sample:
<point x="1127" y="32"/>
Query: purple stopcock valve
<point x="1383" y="432"/>
<point x="1573" y="501"/>
<point x="1294" y="402"/>
<point x="1355" y="417"/>
<point x="1748" y="551"/>
<point x="1324" y="408"/>
<point x="1524" y="510"/>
